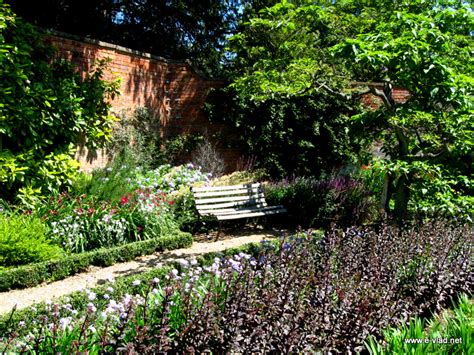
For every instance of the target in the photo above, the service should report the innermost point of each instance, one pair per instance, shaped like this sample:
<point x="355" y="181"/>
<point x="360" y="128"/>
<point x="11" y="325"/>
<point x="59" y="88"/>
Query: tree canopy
<point x="307" y="49"/>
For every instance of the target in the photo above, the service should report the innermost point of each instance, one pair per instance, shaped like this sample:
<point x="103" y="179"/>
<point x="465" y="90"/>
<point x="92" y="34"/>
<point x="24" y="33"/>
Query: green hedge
<point x="121" y="286"/>
<point x="53" y="270"/>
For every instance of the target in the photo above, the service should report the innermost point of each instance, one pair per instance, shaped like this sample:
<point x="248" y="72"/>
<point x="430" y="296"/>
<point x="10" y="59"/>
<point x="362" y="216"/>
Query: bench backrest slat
<point x="250" y="198"/>
<point x="210" y="200"/>
<point x="227" y="192"/>
<point x="223" y="188"/>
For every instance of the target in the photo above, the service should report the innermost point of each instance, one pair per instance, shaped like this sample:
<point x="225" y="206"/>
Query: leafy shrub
<point x="46" y="106"/>
<point x="23" y="241"/>
<point x="448" y="332"/>
<point x="109" y="183"/>
<point x="138" y="134"/>
<point x="309" y="293"/>
<point x="313" y="202"/>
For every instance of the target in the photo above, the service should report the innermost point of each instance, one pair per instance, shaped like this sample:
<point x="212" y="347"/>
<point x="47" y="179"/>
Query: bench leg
<point x="255" y="224"/>
<point x="218" y="231"/>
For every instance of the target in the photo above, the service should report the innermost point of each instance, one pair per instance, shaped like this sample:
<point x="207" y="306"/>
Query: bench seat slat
<point x="250" y="215"/>
<point x="253" y="197"/>
<point x="243" y="211"/>
<point x="237" y="204"/>
<point x="210" y="209"/>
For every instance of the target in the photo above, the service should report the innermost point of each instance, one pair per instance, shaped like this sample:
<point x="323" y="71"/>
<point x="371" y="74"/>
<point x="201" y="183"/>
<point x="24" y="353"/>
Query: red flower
<point x="124" y="200"/>
<point x="90" y="211"/>
<point x="171" y="202"/>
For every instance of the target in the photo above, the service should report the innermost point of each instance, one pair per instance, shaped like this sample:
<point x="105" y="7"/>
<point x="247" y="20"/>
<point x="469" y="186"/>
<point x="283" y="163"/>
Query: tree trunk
<point x="386" y="194"/>
<point x="401" y="196"/>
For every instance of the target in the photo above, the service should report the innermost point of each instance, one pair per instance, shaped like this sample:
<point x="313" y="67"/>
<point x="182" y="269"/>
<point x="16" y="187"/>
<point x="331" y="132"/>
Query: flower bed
<point x="83" y="223"/>
<point x="311" y="293"/>
<point x="110" y="207"/>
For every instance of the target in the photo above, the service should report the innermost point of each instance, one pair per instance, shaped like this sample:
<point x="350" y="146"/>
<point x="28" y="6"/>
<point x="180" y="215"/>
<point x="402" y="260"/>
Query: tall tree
<point x="306" y="48"/>
<point x="429" y="138"/>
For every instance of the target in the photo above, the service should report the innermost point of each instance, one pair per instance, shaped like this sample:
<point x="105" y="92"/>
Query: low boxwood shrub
<point x="23" y="241"/>
<point x="114" y="289"/>
<point x="32" y="275"/>
<point x="310" y="293"/>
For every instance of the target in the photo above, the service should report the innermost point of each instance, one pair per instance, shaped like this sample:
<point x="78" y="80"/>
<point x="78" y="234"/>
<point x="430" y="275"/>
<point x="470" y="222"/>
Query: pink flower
<point x="124" y="200"/>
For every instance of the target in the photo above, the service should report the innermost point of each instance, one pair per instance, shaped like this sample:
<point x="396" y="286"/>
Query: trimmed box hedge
<point x="53" y="270"/>
<point x="121" y="286"/>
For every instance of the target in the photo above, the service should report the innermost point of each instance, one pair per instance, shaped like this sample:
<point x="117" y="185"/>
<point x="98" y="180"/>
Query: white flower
<point x="91" y="308"/>
<point x="106" y="296"/>
<point x="91" y="296"/>
<point x="136" y="282"/>
<point x="109" y="289"/>
<point x="64" y="322"/>
<point x="183" y="262"/>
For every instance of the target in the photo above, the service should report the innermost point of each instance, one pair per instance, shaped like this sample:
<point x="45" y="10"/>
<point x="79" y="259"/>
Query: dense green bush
<point x="46" y="107"/>
<point x="23" y="241"/>
<point x="32" y="275"/>
<point x="289" y="136"/>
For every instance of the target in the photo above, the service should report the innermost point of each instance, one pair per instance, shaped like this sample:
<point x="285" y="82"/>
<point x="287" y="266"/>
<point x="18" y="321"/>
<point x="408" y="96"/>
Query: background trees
<point x="291" y="128"/>
<point x="175" y="29"/>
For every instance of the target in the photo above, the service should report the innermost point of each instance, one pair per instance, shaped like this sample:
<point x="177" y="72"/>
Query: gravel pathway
<point x="96" y="275"/>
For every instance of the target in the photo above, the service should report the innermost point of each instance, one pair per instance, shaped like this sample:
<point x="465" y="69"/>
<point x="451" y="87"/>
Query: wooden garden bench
<point x="233" y="202"/>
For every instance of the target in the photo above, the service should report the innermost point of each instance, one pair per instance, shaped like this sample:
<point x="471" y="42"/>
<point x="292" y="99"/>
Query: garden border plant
<point x="123" y="284"/>
<point x="53" y="270"/>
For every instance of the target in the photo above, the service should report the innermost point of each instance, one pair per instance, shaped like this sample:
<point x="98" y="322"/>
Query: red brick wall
<point x="400" y="95"/>
<point x="173" y="90"/>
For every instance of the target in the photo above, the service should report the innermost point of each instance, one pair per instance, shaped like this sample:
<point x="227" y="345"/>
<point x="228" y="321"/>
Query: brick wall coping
<point x="126" y="50"/>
